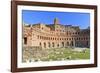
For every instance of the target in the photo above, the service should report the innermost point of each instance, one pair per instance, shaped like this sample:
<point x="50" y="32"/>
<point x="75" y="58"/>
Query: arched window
<point x="76" y="33"/>
<point x="67" y="38"/>
<point x="51" y="38"/>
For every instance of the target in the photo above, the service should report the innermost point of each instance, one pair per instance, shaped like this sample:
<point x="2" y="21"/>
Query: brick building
<point x="55" y="35"/>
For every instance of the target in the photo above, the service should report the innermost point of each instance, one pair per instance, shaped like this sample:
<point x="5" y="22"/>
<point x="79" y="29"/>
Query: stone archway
<point x="67" y="43"/>
<point x="40" y="45"/>
<point x="62" y="44"/>
<point x="72" y="44"/>
<point x="49" y="45"/>
<point x="57" y="45"/>
<point x="53" y="45"/>
<point x="44" y="45"/>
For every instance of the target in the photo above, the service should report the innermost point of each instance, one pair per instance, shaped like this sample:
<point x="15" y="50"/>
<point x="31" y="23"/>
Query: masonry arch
<point x="44" y="45"/>
<point x="67" y="43"/>
<point x="49" y="45"/>
<point x="62" y="44"/>
<point x="53" y="45"/>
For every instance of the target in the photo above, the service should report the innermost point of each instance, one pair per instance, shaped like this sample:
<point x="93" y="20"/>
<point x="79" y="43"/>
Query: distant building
<point x="55" y="35"/>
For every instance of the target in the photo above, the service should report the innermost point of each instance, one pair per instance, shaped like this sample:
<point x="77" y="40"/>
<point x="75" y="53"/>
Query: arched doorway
<point x="53" y="45"/>
<point x="72" y="44"/>
<point x="67" y="43"/>
<point x="44" y="45"/>
<point x="40" y="44"/>
<point x="57" y="45"/>
<point x="49" y="45"/>
<point x="62" y="44"/>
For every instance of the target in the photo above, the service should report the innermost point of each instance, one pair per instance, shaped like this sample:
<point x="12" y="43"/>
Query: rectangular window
<point x="25" y="40"/>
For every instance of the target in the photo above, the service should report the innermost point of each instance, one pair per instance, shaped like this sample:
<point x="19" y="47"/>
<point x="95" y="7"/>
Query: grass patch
<point x="62" y="54"/>
<point x="70" y="55"/>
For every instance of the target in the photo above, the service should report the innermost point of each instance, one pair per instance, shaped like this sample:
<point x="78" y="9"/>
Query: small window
<point x="25" y="40"/>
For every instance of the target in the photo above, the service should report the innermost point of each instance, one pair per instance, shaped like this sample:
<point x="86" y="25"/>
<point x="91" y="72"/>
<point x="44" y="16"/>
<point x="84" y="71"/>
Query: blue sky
<point x="65" y="18"/>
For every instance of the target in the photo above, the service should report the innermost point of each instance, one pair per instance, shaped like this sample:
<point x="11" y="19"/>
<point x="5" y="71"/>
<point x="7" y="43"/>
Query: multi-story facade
<point x="55" y="35"/>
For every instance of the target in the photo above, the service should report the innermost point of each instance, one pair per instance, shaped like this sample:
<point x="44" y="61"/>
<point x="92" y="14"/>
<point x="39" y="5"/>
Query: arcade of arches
<point x="55" y="35"/>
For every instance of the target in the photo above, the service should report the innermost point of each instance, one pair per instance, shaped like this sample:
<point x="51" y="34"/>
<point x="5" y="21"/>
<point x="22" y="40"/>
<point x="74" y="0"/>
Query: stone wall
<point x="58" y="36"/>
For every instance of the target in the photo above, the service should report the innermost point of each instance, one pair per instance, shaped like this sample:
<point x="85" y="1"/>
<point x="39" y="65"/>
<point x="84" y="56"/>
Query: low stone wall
<point x="30" y="53"/>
